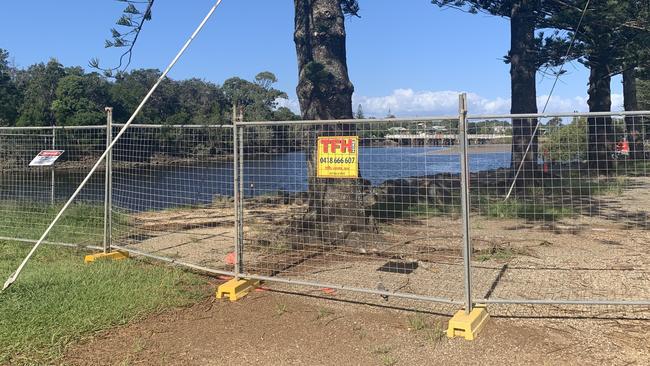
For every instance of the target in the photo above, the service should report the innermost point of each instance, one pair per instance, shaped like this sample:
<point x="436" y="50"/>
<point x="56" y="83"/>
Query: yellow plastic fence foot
<point x="115" y="256"/>
<point x="468" y="325"/>
<point x="236" y="289"/>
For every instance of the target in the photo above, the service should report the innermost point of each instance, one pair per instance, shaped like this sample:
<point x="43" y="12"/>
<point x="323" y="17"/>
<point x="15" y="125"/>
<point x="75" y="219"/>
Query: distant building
<point x="501" y="129"/>
<point x="397" y="129"/>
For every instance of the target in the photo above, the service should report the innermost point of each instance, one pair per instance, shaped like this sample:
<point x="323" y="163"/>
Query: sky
<point x="412" y="59"/>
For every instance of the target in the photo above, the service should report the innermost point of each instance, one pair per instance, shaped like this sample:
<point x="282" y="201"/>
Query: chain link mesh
<point x="30" y="197"/>
<point x="572" y="224"/>
<point x="561" y="218"/>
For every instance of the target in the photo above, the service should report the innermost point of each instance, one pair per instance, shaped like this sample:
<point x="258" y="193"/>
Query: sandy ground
<point x="602" y="254"/>
<point x="277" y="328"/>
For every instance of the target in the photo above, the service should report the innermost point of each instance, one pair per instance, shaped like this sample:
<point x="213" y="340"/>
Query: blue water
<point x="158" y="187"/>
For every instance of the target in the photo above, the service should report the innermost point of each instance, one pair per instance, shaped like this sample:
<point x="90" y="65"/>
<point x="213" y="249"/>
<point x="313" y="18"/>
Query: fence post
<point x="236" y="189"/>
<point x="240" y="258"/>
<point x="465" y="204"/>
<point x="53" y="182"/>
<point x="108" y="183"/>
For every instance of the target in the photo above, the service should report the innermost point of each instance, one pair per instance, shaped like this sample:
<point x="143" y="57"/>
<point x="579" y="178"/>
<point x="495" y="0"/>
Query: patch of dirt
<point x="601" y="256"/>
<point x="273" y="328"/>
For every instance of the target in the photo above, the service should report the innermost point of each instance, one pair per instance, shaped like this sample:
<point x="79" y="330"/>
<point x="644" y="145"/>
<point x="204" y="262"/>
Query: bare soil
<point x="275" y="328"/>
<point x="600" y="254"/>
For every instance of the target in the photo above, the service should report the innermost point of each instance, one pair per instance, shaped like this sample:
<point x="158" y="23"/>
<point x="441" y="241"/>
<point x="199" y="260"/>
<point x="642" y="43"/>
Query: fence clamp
<point x="236" y="288"/>
<point x="468" y="325"/>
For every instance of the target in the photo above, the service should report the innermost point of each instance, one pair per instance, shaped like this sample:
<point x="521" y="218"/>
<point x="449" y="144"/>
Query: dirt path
<point x="271" y="328"/>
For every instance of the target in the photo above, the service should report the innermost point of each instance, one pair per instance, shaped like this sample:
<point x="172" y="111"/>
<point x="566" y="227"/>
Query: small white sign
<point x="46" y="157"/>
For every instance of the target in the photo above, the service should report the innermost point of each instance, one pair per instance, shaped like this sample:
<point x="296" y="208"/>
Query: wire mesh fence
<point x="172" y="193"/>
<point x="566" y="220"/>
<point x="373" y="206"/>
<point x="31" y="196"/>
<point x="392" y="226"/>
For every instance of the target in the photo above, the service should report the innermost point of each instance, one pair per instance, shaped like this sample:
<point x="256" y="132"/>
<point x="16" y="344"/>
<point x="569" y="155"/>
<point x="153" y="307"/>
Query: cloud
<point x="292" y="104"/>
<point x="409" y="103"/>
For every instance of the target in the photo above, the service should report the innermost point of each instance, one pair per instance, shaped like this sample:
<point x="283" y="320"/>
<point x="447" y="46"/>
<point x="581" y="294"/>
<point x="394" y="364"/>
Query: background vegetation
<point x="50" y="93"/>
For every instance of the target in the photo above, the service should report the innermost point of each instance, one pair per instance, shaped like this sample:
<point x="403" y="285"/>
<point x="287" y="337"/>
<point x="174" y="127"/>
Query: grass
<point x="514" y="208"/>
<point x="553" y="199"/>
<point x="417" y="322"/>
<point x="432" y="331"/>
<point x="589" y="187"/>
<point x="280" y="309"/>
<point x="388" y="360"/>
<point x="423" y="210"/>
<point x="323" y="313"/>
<point x="495" y="253"/>
<point x="58" y="300"/>
<point x="81" y="224"/>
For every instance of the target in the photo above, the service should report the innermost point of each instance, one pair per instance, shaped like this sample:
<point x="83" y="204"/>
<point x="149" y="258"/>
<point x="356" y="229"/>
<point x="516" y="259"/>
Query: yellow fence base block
<point x="468" y="325"/>
<point x="236" y="289"/>
<point x="115" y="256"/>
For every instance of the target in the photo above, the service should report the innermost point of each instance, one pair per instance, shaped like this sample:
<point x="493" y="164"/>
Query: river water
<point x="159" y="186"/>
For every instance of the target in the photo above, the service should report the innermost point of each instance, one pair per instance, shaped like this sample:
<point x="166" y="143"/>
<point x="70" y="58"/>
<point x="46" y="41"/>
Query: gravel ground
<point x="276" y="328"/>
<point x="600" y="255"/>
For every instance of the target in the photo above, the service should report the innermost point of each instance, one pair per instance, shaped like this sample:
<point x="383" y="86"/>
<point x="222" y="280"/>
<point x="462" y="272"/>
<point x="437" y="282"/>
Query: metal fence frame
<point x="468" y="301"/>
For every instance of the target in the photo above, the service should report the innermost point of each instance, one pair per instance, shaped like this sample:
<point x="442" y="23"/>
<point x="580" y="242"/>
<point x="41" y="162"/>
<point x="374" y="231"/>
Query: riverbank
<point x="474" y="149"/>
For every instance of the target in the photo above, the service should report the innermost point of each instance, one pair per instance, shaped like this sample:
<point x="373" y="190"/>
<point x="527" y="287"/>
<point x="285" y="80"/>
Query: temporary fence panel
<point x="367" y="205"/>
<point x="172" y="194"/>
<point x="30" y="196"/>
<point x="562" y="218"/>
<point x="371" y="206"/>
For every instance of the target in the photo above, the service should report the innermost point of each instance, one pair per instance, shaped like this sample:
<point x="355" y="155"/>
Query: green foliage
<point x="39" y="93"/>
<point x="80" y="100"/>
<point x="535" y="211"/>
<point x="643" y="94"/>
<point x="24" y="220"/>
<point x="318" y="74"/>
<point x="495" y="253"/>
<point x="566" y="142"/>
<point x="130" y="25"/>
<point x="613" y="33"/>
<point x="259" y="98"/>
<point x="9" y="97"/>
<point x="59" y="299"/>
<point x="46" y="94"/>
<point x="489" y="127"/>
<point x="359" y="114"/>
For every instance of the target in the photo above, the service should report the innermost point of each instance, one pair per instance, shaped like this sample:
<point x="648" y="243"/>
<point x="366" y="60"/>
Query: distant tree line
<point x="46" y="94"/>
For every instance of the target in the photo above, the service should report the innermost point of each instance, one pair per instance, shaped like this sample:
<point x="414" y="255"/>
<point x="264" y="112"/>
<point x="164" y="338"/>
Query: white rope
<point x="15" y="275"/>
<point x="557" y="77"/>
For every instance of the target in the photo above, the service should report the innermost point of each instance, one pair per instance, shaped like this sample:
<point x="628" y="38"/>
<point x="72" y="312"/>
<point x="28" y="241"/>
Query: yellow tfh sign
<point x="338" y="157"/>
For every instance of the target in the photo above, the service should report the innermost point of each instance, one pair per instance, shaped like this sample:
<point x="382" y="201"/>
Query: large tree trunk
<point x="523" y="68"/>
<point x="643" y="99"/>
<point x="600" y="132"/>
<point x="633" y="124"/>
<point x="325" y="92"/>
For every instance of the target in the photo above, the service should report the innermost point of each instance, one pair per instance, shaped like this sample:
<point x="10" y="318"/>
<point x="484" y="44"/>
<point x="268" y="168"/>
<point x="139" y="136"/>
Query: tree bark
<point x="523" y="69"/>
<point x="325" y="92"/>
<point x="633" y="124"/>
<point x="600" y="132"/>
